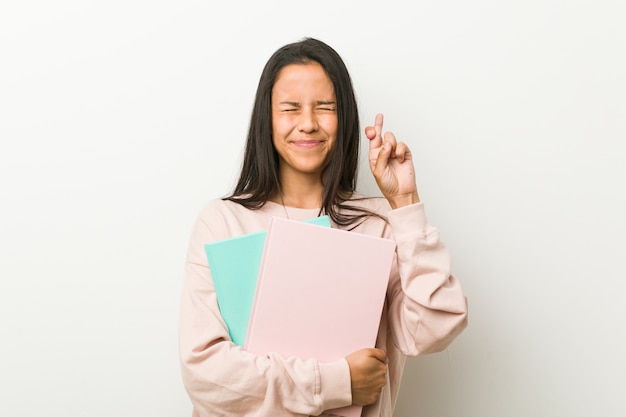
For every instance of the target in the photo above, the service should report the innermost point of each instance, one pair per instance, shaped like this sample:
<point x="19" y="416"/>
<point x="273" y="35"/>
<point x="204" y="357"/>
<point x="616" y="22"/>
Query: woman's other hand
<point x="368" y="370"/>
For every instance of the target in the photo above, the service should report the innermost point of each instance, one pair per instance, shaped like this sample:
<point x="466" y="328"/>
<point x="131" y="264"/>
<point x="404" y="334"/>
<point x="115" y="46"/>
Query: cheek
<point x="280" y="127"/>
<point x="330" y="124"/>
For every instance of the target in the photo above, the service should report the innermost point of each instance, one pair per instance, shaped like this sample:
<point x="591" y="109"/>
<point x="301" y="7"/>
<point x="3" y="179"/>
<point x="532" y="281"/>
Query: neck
<point x="301" y="194"/>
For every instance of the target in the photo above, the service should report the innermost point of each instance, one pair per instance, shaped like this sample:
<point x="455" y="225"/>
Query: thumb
<point x="379" y="354"/>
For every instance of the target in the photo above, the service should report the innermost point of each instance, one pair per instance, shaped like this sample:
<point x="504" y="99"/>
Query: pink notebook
<point x="319" y="294"/>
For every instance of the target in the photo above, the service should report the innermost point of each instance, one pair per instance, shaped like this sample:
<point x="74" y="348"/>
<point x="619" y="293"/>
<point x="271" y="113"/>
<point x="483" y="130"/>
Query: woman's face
<point x="304" y="119"/>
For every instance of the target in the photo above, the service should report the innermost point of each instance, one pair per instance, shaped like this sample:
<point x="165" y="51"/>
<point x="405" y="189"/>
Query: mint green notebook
<point x="235" y="264"/>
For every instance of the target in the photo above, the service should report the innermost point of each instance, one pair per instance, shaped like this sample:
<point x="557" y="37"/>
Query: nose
<point x="307" y="122"/>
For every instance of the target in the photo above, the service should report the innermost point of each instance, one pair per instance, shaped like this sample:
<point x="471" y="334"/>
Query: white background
<point x="119" y="120"/>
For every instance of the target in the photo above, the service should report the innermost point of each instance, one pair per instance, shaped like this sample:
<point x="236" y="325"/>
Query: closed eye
<point x="326" y="106"/>
<point x="289" y="106"/>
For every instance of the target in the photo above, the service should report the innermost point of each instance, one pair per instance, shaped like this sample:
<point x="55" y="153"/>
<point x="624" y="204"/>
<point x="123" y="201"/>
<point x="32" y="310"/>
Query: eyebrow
<point x="318" y="103"/>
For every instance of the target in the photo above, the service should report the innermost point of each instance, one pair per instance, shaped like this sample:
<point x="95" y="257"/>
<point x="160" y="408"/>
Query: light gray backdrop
<point x="119" y="120"/>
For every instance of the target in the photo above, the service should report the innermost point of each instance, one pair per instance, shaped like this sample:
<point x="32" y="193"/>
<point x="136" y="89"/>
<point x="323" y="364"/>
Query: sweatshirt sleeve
<point x="223" y="379"/>
<point x="427" y="307"/>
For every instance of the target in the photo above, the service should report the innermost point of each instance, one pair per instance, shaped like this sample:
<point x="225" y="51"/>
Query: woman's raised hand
<point x="391" y="165"/>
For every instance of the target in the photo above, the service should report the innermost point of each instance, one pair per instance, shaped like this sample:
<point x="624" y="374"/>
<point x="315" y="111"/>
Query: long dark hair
<point x="259" y="179"/>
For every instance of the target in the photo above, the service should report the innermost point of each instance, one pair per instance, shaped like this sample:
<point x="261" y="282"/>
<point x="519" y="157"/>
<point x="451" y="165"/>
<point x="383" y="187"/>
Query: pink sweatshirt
<point x="425" y="309"/>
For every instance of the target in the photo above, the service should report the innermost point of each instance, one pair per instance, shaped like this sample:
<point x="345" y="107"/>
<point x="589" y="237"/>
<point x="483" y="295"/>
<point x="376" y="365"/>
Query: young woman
<point x="300" y="162"/>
